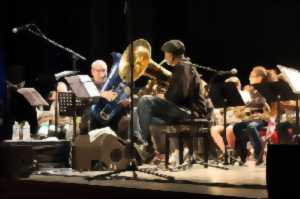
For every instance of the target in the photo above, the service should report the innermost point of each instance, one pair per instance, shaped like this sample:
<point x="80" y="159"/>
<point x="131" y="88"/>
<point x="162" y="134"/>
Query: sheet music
<point x="292" y="76"/>
<point x="33" y="97"/>
<point x="83" y="86"/>
<point x="89" y="85"/>
<point x="94" y="134"/>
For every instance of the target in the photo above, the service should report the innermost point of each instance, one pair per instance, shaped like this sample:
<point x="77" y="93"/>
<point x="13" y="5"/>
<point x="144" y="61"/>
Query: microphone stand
<point x="217" y="72"/>
<point x="75" y="57"/>
<point x="133" y="163"/>
<point x="206" y="68"/>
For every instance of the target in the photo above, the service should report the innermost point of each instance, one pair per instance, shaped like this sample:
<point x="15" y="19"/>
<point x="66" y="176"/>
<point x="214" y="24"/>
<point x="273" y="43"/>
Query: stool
<point x="187" y="128"/>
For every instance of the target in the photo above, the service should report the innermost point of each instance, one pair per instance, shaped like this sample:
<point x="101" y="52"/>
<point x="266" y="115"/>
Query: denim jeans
<point x="244" y="130"/>
<point x="154" y="110"/>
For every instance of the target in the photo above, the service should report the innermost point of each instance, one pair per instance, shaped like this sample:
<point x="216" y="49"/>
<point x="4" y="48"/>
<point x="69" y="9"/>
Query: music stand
<point x="70" y="105"/>
<point x="58" y="76"/>
<point x="223" y="96"/>
<point x="33" y="96"/>
<point x="292" y="76"/>
<point x="275" y="92"/>
<point x="82" y="88"/>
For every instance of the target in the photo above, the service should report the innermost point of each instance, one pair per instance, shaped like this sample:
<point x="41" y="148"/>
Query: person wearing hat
<point x="176" y="103"/>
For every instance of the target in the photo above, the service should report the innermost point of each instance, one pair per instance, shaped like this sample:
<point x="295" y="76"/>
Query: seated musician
<point x="287" y="127"/>
<point x="46" y="119"/>
<point x="89" y="120"/>
<point x="233" y="116"/>
<point x="181" y="99"/>
<point x="258" y="116"/>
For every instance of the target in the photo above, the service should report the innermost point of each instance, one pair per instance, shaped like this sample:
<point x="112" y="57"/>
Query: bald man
<point x="99" y="72"/>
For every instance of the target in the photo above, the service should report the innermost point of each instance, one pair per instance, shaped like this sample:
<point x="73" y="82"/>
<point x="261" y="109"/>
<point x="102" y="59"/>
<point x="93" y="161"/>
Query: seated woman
<point x="259" y="113"/>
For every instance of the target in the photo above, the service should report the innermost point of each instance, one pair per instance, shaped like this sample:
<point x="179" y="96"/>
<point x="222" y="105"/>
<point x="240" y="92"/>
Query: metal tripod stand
<point x="133" y="163"/>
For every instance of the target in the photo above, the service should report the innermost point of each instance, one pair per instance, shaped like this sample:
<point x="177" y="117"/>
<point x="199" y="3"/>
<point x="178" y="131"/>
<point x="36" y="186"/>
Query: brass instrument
<point x="141" y="60"/>
<point x="104" y="110"/>
<point x="143" y="65"/>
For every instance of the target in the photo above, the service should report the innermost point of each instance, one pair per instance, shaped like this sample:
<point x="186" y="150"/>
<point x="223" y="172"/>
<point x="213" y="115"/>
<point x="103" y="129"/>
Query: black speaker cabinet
<point x="15" y="161"/>
<point x="283" y="171"/>
<point x="108" y="151"/>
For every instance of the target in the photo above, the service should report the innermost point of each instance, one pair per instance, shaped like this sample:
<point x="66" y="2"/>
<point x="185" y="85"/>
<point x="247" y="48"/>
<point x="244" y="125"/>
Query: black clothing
<point x="184" y="89"/>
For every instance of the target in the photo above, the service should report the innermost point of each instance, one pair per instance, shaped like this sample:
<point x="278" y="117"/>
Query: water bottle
<point x="26" y="131"/>
<point x="16" y="131"/>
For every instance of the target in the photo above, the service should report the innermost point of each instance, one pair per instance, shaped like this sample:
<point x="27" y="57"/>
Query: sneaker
<point x="174" y="157"/>
<point x="260" y="158"/>
<point x="186" y="154"/>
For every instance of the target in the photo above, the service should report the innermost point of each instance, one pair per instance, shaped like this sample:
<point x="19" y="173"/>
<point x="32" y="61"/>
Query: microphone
<point x="233" y="71"/>
<point x="15" y="30"/>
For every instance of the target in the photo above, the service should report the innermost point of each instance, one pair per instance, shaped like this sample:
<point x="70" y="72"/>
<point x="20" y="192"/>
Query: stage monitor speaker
<point x="283" y="171"/>
<point x="15" y="161"/>
<point x="106" y="152"/>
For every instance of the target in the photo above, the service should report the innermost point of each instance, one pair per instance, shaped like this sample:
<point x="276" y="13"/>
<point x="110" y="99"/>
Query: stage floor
<point x="247" y="181"/>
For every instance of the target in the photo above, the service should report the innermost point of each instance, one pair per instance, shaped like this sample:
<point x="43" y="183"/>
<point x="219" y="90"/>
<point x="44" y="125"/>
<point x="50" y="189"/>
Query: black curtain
<point x="219" y="34"/>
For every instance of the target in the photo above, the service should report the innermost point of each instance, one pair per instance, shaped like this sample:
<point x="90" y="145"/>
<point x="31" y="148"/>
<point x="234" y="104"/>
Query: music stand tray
<point x="225" y="95"/>
<point x="292" y="76"/>
<point x="275" y="91"/>
<point x="66" y="104"/>
<point x="33" y="97"/>
<point x="83" y="86"/>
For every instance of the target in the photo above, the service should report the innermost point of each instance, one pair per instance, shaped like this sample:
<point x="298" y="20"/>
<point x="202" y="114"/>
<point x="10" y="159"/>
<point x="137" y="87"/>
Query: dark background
<point x="219" y="34"/>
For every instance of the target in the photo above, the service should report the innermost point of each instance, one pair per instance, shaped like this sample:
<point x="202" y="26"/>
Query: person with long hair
<point x="259" y="113"/>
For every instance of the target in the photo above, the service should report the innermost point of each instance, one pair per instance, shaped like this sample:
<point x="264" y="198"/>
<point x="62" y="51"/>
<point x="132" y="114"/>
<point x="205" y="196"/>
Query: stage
<point x="247" y="181"/>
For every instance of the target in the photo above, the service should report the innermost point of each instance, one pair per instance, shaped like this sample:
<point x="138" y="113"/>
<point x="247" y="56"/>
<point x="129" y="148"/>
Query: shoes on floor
<point x="260" y="158"/>
<point x="174" y="157"/>
<point x="146" y="152"/>
<point x="158" y="158"/>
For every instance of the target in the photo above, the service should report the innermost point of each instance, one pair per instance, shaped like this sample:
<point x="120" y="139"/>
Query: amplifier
<point x="45" y="154"/>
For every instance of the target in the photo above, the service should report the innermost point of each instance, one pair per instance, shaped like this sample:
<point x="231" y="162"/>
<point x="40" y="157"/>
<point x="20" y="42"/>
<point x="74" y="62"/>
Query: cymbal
<point x="141" y="60"/>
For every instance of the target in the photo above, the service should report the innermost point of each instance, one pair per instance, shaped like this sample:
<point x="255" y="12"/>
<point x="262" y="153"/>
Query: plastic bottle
<point x="16" y="131"/>
<point x="26" y="131"/>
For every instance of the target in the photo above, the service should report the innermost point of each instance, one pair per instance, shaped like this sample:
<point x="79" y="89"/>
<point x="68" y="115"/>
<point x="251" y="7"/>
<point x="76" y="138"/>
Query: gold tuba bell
<point x="143" y="64"/>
